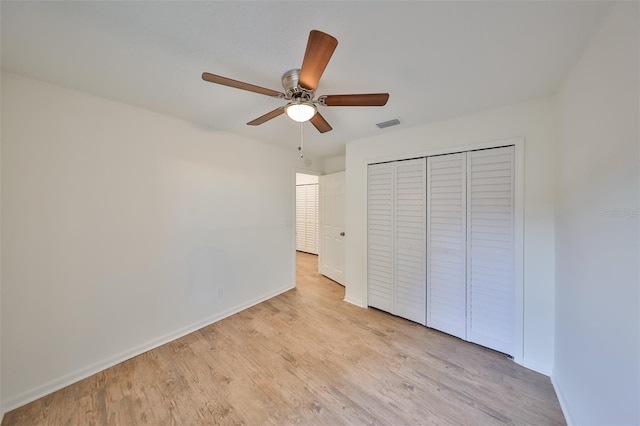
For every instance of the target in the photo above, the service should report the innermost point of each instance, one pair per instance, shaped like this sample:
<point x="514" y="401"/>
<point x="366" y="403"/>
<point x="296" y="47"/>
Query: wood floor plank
<point x="306" y="357"/>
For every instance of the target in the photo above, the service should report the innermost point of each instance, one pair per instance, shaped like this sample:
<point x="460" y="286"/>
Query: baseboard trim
<point x="535" y="366"/>
<point x="73" y="377"/>
<point x="358" y="303"/>
<point x="564" y="404"/>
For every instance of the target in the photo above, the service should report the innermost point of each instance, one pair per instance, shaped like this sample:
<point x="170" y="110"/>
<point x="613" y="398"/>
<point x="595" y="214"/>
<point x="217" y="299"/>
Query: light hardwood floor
<point x="306" y="357"/>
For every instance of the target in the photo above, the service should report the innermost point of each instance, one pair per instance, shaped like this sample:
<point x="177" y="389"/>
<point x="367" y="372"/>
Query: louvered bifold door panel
<point x="300" y="217"/>
<point x="491" y="248"/>
<point x="311" y="219"/>
<point x="380" y="235"/>
<point x="446" y="243"/>
<point x="410" y="236"/>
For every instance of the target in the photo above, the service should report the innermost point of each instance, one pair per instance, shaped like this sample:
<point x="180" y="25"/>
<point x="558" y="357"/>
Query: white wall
<point x="533" y="121"/>
<point x="123" y="229"/>
<point x="597" y="359"/>
<point x="334" y="164"/>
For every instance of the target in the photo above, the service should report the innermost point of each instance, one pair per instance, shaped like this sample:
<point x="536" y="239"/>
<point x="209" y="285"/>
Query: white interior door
<point x="490" y="248"/>
<point x="469" y="249"/>
<point x="446" y="244"/>
<point x="396" y="244"/>
<point x="311" y="217"/>
<point x="307" y="218"/>
<point x="332" y="220"/>
<point x="380" y="236"/>
<point x="301" y="243"/>
<point x="470" y="245"/>
<point x="410" y="244"/>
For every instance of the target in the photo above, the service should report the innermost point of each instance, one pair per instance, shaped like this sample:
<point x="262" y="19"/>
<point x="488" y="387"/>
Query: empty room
<point x="320" y="212"/>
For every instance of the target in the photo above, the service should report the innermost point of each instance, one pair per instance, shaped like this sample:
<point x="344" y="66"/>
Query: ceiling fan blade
<point x="268" y="116"/>
<point x="370" y="99"/>
<point x="320" y="47"/>
<point x="212" y="78"/>
<point x="320" y="123"/>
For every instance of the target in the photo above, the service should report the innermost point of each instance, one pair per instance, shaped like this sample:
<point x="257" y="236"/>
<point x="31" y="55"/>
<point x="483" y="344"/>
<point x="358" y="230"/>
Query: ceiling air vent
<point x="389" y="123"/>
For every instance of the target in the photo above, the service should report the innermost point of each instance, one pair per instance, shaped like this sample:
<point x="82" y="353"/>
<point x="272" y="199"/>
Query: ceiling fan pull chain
<point x="301" y="142"/>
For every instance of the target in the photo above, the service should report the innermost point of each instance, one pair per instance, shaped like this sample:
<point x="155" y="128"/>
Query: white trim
<point x="365" y="225"/>
<point x="466" y="191"/>
<point x="355" y="302"/>
<point x="307" y="172"/>
<point x="293" y="226"/>
<point x="518" y="338"/>
<point x="537" y="367"/>
<point x="427" y="242"/>
<point x="76" y="376"/>
<point x="297" y="171"/>
<point x="448" y="150"/>
<point x="519" y="144"/>
<point x="564" y="405"/>
<point x="321" y="189"/>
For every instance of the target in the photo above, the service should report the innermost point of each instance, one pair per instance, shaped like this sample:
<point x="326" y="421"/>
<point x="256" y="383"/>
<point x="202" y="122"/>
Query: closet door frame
<point x="519" y="144"/>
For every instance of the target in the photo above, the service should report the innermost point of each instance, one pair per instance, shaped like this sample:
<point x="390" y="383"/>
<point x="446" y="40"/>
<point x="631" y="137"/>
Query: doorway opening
<point x="307" y="224"/>
<point x="320" y="218"/>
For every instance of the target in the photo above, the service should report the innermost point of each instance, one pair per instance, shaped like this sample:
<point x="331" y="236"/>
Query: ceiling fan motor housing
<point x="292" y="89"/>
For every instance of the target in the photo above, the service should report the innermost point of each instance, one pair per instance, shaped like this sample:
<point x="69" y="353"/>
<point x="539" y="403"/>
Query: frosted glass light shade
<point x="300" y="111"/>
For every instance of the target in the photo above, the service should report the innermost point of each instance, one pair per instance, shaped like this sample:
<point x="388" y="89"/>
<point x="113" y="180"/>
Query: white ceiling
<point x="437" y="60"/>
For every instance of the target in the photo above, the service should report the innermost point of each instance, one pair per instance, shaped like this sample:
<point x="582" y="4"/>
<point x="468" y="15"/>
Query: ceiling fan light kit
<point x="300" y="111"/>
<point x="300" y="87"/>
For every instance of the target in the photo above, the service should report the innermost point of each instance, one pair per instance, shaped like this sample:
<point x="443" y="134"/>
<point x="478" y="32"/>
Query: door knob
<point x="342" y="234"/>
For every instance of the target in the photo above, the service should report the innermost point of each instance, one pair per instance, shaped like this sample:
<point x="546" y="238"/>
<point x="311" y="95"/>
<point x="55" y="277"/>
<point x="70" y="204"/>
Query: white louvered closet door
<point x="301" y="194"/>
<point x="410" y="244"/>
<point x="311" y="218"/>
<point x="396" y="261"/>
<point x="490" y="260"/>
<point x="380" y="236"/>
<point x="446" y="244"/>
<point x="307" y="218"/>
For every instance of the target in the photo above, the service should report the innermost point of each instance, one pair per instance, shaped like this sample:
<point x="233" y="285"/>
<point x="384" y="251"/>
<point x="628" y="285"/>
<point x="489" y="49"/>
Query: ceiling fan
<point x="300" y="87"/>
